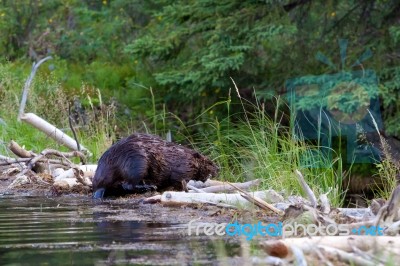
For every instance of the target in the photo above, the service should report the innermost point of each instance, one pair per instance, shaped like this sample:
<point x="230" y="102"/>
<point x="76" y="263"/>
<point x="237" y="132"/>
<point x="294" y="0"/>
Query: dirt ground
<point x="134" y="209"/>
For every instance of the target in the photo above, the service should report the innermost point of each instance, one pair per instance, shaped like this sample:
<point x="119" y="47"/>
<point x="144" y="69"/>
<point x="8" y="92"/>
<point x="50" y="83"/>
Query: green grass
<point x="48" y="100"/>
<point x="256" y="146"/>
<point x="246" y="145"/>
<point x="388" y="169"/>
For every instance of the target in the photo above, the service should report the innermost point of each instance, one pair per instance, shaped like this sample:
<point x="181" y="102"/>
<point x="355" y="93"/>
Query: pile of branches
<point x="373" y="231"/>
<point x="50" y="168"/>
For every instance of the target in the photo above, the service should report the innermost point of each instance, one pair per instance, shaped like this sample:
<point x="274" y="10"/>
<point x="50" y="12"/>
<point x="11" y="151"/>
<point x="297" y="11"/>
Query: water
<point x="75" y="231"/>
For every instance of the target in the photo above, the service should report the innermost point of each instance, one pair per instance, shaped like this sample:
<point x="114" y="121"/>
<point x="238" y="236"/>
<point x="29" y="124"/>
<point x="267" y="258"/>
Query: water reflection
<point x="43" y="231"/>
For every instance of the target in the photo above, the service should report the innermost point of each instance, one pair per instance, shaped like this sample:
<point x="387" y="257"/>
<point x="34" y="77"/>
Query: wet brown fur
<point x="143" y="159"/>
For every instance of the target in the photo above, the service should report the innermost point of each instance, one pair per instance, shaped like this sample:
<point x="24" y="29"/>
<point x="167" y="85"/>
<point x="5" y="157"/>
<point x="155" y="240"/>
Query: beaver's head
<point x="207" y="168"/>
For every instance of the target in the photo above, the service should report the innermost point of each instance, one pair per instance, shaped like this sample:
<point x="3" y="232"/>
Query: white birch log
<point x="228" y="188"/>
<point x="51" y="131"/>
<point x="180" y="198"/>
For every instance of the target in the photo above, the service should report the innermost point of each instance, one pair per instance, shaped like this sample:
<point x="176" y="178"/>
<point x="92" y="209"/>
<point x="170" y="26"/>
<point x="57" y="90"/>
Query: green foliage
<point x="258" y="147"/>
<point x="390" y="95"/>
<point x="77" y="30"/>
<point x="194" y="47"/>
<point x="47" y="94"/>
<point x="149" y="59"/>
<point x="188" y="50"/>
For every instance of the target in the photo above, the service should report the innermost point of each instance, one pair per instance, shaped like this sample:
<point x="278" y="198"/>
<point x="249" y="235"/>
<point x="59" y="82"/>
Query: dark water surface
<point x="73" y="231"/>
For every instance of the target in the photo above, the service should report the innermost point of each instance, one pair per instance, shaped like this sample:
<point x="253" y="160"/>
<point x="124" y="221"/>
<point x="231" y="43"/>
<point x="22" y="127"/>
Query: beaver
<point x="144" y="161"/>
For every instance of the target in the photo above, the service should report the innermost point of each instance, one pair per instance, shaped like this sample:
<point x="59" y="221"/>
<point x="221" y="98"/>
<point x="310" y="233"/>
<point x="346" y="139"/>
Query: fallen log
<point x="257" y="201"/>
<point x="173" y="198"/>
<point x="52" y="131"/>
<point x="208" y="183"/>
<point x="228" y="188"/>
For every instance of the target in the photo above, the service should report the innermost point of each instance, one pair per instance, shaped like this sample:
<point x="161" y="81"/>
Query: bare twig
<point x="8" y="160"/>
<point x="48" y="152"/>
<point x="307" y="189"/>
<point x="257" y="201"/>
<point x="213" y="183"/>
<point x="362" y="253"/>
<point x="195" y="189"/>
<point x="28" y="84"/>
<point x="72" y="128"/>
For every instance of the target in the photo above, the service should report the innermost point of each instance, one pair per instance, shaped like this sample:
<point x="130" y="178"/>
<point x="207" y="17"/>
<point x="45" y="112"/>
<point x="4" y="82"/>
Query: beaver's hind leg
<point x="135" y="170"/>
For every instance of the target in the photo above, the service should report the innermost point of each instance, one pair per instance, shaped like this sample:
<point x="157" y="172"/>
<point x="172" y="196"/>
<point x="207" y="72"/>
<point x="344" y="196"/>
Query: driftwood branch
<point x="8" y="161"/>
<point x="180" y="198"/>
<point x="19" y="151"/>
<point x="5" y="159"/>
<point x="208" y="183"/>
<point x="28" y="84"/>
<point x="229" y="188"/>
<point x="307" y="189"/>
<point x="195" y="189"/>
<point x="51" y="131"/>
<point x="389" y="212"/>
<point x="47" y="152"/>
<point x="257" y="201"/>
